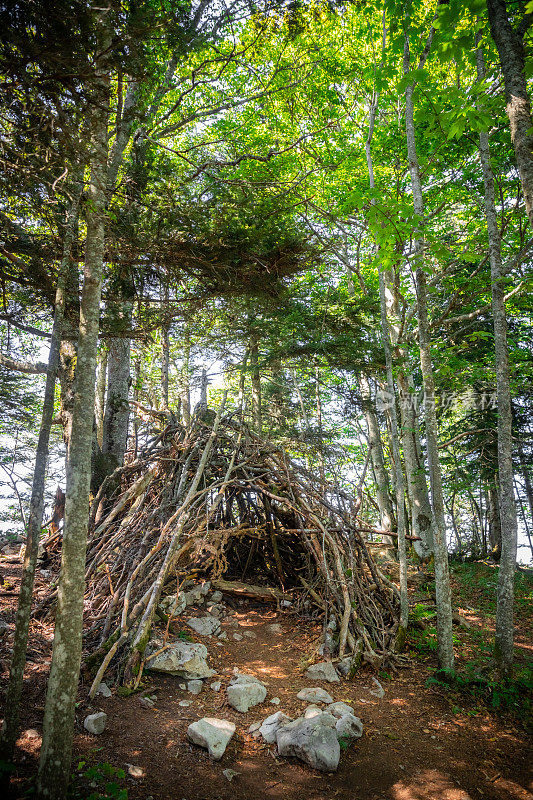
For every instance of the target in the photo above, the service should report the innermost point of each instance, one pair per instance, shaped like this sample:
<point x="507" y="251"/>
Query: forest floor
<point x="421" y="741"/>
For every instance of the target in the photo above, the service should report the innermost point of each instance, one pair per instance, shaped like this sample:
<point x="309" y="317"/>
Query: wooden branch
<point x="265" y="594"/>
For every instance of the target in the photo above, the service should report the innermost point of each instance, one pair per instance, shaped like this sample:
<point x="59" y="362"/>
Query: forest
<point x="265" y="360"/>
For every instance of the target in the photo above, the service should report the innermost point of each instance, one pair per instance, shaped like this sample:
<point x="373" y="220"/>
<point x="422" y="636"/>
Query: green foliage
<point x="103" y="779"/>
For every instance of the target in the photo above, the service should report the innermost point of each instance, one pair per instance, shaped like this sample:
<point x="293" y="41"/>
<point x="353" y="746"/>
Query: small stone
<point x="212" y="734"/>
<point x="216" y="597"/>
<point x="349" y="727"/>
<point x="378" y="690"/>
<point x="223" y="635"/>
<point x="104" y="690"/>
<point x="195" y="687"/>
<point x="285" y="604"/>
<point x="275" y="627"/>
<point x="216" y="686"/>
<point x="275" y="701"/>
<point x="272" y="724"/>
<point x="249" y="635"/>
<point x="205" y="588"/>
<point x="184" y="703"/>
<point x="315" y="695"/>
<point x="182" y="686"/>
<point x="135" y="771"/>
<point x="244" y="692"/>
<point x="95" y="723"/>
<point x="229" y="774"/>
<point x="314" y="741"/>
<point x="332" y="624"/>
<point x="204" y="626"/>
<point x="254" y="727"/>
<point x="146" y="702"/>
<point x="340" y="709"/>
<point x="324" y="671"/>
<point x="31" y="733"/>
<point x="312" y="711"/>
<point x="237" y="637"/>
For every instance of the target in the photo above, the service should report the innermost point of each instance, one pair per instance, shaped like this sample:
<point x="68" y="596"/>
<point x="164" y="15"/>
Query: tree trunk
<point x="117" y="412"/>
<point x="510" y="45"/>
<point x="54" y="766"/>
<point x="504" y="642"/>
<point x="421" y="511"/>
<point x="495" y="529"/>
<point x="383" y="497"/>
<point x="18" y="660"/>
<point x="256" y="385"/>
<point x="99" y="406"/>
<point x="165" y="352"/>
<point x="442" y="578"/>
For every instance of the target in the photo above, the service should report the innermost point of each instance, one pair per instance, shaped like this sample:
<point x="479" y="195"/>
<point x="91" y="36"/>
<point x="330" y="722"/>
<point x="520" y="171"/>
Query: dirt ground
<point x="417" y="745"/>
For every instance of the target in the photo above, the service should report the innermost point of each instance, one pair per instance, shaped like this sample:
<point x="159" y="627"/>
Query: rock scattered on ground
<point x="245" y="691"/>
<point x="349" y="727"/>
<point x="275" y="627"/>
<point x="95" y="723"/>
<point x="324" y="671"/>
<point x="212" y="734"/>
<point x="237" y="637"/>
<point x="378" y="690"/>
<point x="187" y="660"/>
<point x="104" y="690"/>
<point x="216" y="686"/>
<point x="315" y="695"/>
<point x="275" y="701"/>
<point x="313" y="741"/>
<point x="204" y="626"/>
<point x="340" y="709"/>
<point x="272" y="724"/>
<point x="195" y="687"/>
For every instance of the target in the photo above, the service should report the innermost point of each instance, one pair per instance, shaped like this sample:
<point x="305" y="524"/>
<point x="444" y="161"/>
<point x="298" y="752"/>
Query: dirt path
<point x="416" y="745"/>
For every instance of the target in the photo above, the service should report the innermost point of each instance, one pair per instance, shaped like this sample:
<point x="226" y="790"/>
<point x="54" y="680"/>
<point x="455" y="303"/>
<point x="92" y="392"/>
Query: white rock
<point x="216" y="597"/>
<point x="104" y="690"/>
<point x="229" y="774"/>
<point x="95" y="723"/>
<point x="237" y="637"/>
<point x="324" y="671"/>
<point x="254" y="727"/>
<point x="223" y="635"/>
<point x="244" y="692"/>
<point x="275" y="627"/>
<point x="205" y="588"/>
<point x="349" y="727"/>
<point x="195" y="687"/>
<point x="312" y="711"/>
<point x="185" y="659"/>
<point x="313" y="741"/>
<point x="135" y="771"/>
<point x="285" y="604"/>
<point x="184" y="703"/>
<point x="173" y="605"/>
<point x="272" y="724"/>
<point x="212" y="734"/>
<point x="216" y="686"/>
<point x="249" y="635"/>
<point x="340" y="709"/>
<point x="275" y="701"/>
<point x="378" y="690"/>
<point x="182" y="686"/>
<point x="315" y="695"/>
<point x="204" y="626"/>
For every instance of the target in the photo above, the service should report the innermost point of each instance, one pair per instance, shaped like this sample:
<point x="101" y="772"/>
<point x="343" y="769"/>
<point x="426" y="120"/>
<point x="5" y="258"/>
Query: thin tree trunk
<point x="383" y="497"/>
<point x="54" y="766"/>
<point x="165" y="352"/>
<point x="117" y="412"/>
<point x="504" y="642"/>
<point x="18" y="660"/>
<point x="185" y="381"/>
<point x="395" y="441"/>
<point x="495" y="528"/>
<point x="510" y="45"/>
<point x="442" y="578"/>
<point x="99" y="406"/>
<point x="256" y="385"/>
<point x="318" y="399"/>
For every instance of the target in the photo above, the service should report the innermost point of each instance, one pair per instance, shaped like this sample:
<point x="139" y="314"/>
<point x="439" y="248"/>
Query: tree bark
<point x="117" y="411"/>
<point x="504" y="642"/>
<point x="18" y="660"/>
<point x="54" y="766"/>
<point x="99" y="405"/>
<point x="442" y="578"/>
<point x="510" y="46"/>
<point x="256" y="385"/>
<point x="383" y="497"/>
